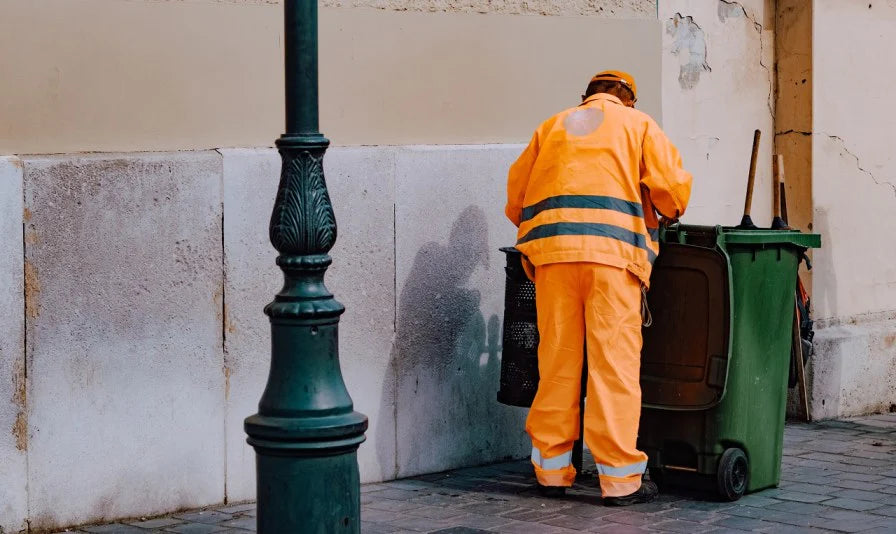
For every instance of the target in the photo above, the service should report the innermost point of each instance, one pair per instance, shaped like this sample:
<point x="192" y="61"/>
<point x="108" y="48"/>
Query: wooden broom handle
<point x="748" y="203"/>
<point x="778" y="174"/>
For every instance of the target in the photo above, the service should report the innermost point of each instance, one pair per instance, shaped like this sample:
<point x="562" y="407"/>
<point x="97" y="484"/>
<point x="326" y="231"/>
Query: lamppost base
<point x="307" y="472"/>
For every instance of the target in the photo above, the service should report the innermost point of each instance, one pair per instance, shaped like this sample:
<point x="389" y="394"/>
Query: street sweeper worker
<point x="585" y="195"/>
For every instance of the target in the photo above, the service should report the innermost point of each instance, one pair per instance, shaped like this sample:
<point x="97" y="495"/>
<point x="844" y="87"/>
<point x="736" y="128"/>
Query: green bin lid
<point x="727" y="235"/>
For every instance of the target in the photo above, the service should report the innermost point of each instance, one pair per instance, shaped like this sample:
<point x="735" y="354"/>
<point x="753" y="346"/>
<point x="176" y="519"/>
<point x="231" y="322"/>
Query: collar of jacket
<point x="602" y="96"/>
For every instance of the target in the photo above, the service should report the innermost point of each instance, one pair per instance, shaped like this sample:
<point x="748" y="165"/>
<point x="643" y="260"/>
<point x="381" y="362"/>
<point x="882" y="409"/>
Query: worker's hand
<point x="666" y="221"/>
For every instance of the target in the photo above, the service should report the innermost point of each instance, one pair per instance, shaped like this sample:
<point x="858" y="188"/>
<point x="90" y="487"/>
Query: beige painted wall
<point x="114" y="75"/>
<point x="717" y="88"/>
<point x="854" y="188"/>
<point x="603" y="8"/>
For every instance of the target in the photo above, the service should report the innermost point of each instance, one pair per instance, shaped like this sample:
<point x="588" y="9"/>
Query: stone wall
<point x="145" y="278"/>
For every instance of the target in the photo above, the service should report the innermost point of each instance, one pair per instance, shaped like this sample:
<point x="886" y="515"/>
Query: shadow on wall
<point x="445" y="362"/>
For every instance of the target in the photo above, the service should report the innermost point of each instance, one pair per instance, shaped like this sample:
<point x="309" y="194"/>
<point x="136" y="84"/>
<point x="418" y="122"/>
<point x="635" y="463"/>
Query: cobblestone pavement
<point x="837" y="476"/>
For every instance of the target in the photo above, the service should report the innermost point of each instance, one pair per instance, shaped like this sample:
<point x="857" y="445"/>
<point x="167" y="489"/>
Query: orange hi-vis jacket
<point x="587" y="187"/>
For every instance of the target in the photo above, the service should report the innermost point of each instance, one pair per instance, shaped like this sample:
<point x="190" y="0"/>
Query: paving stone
<point x="490" y="508"/>
<point x="114" y="528"/>
<point x="245" y="523"/>
<point x="433" y="512"/>
<point x="210" y="517"/>
<point x="616" y="528"/>
<point x="709" y="506"/>
<point x="801" y="497"/>
<point x="810" y="477"/>
<point x="589" y="511"/>
<point x="884" y="529"/>
<point x="521" y="527"/>
<point x="841" y="514"/>
<point x="889" y="511"/>
<point x="791" y="529"/>
<point x="479" y="521"/>
<point x="392" y="506"/>
<point x="847" y="526"/>
<point x="369" y="488"/>
<point x="398" y="494"/>
<point x="797" y="508"/>
<point x="860" y="495"/>
<point x="846" y="483"/>
<point x="630" y="518"/>
<point x="677" y="525"/>
<point x="238" y="508"/>
<point x="376" y="528"/>
<point x="411" y="485"/>
<point x="815" y="489"/>
<point x="419" y="524"/>
<point x="787" y="518"/>
<point x="742" y="523"/>
<point x="377" y="516"/>
<point x="573" y="522"/>
<point x="853" y="504"/>
<point x="755" y="501"/>
<point x="196" y="528"/>
<point x="460" y="530"/>
<point x="156" y="523"/>
<point x="697" y="516"/>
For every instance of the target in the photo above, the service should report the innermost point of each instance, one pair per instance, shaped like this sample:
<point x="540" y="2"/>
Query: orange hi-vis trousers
<point x="599" y="307"/>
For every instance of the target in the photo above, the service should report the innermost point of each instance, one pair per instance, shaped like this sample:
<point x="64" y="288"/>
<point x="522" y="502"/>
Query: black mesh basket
<point x="519" y="358"/>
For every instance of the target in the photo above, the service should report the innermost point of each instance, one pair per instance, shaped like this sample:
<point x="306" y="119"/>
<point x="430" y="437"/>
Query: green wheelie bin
<point x="715" y="362"/>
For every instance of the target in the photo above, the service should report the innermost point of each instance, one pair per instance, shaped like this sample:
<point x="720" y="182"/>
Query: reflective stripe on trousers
<point x="551" y="464"/>
<point x="622" y="472"/>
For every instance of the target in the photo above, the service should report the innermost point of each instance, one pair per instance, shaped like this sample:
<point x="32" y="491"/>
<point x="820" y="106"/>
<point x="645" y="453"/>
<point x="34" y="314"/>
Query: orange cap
<point x="618" y="76"/>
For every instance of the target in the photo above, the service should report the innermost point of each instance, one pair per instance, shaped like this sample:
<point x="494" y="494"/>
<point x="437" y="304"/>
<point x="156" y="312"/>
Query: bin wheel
<point x="733" y="474"/>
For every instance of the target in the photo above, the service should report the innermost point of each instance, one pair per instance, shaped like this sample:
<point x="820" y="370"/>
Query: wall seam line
<point x="394" y="369"/>
<point x="224" y="327"/>
<point x="25" y="351"/>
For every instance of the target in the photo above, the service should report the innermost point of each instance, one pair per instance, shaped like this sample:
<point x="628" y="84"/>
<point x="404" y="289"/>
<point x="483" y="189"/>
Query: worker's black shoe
<point x="552" y="492"/>
<point x="646" y="493"/>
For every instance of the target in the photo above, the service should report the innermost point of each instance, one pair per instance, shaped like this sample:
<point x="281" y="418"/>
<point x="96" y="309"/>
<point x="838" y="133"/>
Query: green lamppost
<point x="306" y="433"/>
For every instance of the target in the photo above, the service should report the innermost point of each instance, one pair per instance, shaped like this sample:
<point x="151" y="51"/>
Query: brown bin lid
<point x="684" y="362"/>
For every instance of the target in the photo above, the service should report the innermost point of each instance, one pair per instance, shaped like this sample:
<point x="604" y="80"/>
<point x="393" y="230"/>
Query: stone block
<point x="13" y="408"/>
<point x="854" y="367"/>
<point x="360" y="181"/>
<point x="251" y="279"/>
<point x="125" y="355"/>
<point x="449" y="225"/>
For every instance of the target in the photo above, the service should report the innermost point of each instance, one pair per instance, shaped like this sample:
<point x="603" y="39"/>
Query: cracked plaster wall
<point x="854" y="198"/>
<point x="717" y="87"/>
<point x="854" y="171"/>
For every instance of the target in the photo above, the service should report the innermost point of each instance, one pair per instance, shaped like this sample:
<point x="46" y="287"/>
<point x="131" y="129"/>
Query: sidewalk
<point x="837" y="476"/>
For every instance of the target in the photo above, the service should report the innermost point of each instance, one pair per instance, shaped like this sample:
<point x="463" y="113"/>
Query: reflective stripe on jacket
<point x="588" y="186"/>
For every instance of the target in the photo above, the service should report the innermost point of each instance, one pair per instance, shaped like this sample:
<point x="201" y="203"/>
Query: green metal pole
<point x="306" y="433"/>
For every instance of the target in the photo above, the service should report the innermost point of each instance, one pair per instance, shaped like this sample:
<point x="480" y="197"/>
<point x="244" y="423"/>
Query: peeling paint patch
<point x="689" y="44"/>
<point x="32" y="291"/>
<point x="729" y="10"/>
